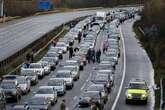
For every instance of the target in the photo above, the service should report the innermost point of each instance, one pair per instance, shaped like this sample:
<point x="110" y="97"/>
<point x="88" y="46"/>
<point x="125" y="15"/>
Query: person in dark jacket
<point x="98" y="55"/>
<point x="88" y="55"/>
<point x="70" y="52"/>
<point x="93" y="55"/>
<point x="79" y="37"/>
<point x="62" y="105"/>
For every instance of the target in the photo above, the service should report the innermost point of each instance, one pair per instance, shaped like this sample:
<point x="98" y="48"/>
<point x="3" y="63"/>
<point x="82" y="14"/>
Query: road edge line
<point x="124" y="72"/>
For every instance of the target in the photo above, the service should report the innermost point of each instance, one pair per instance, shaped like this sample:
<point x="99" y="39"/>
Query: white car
<point x="37" y="68"/>
<point x="46" y="66"/>
<point x="66" y="76"/>
<point x="58" y="84"/>
<point x="74" y="70"/>
<point x="51" y="61"/>
<point x="31" y="75"/>
<point x="61" y="46"/>
<point x="47" y="92"/>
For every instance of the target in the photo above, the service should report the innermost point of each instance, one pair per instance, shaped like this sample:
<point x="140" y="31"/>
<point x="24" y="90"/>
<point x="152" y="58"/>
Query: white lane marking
<point x="85" y="83"/>
<point x="124" y="70"/>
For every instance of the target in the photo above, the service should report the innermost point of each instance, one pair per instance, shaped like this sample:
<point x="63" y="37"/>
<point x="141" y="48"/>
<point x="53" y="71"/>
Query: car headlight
<point x="99" y="101"/>
<point x="60" y="89"/>
<point x="129" y="95"/>
<point x="144" y="96"/>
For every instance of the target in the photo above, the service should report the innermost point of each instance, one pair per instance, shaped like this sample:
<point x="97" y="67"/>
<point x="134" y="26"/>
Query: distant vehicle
<point x="24" y="84"/>
<point x="53" y="55"/>
<point x="31" y="75"/>
<point x="91" y="97"/>
<point x="37" y="67"/>
<point x="11" y="90"/>
<point x="46" y="66"/>
<point x="2" y="100"/>
<point x="39" y="103"/>
<point x="61" y="46"/>
<point x="102" y="79"/>
<point x="66" y="76"/>
<point x="21" y="107"/>
<point x="137" y="90"/>
<point x="58" y="84"/>
<point x="100" y="88"/>
<point x="47" y="92"/>
<point x="51" y="61"/>
<point x="59" y="51"/>
<point x="74" y="70"/>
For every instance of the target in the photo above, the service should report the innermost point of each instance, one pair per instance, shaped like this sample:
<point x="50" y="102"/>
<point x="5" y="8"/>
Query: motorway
<point x="133" y="63"/>
<point x="15" y="36"/>
<point x="138" y="65"/>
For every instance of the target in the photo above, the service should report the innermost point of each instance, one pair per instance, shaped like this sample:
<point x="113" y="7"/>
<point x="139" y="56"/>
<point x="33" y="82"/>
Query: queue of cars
<point x="15" y="86"/>
<point x="102" y="78"/>
<point x="69" y="71"/>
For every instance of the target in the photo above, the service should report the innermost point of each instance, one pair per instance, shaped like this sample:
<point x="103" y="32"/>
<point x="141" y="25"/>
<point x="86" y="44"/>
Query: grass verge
<point x="153" y="54"/>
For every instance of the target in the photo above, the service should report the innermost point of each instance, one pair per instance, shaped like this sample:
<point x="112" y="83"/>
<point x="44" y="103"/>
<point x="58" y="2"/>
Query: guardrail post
<point x="161" y="93"/>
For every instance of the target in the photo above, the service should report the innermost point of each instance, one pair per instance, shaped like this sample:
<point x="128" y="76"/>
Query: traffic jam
<point x="64" y="63"/>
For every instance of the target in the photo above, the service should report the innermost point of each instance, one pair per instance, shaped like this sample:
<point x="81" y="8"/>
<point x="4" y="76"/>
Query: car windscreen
<point x="60" y="75"/>
<point x="21" y="80"/>
<point x="93" y="95"/>
<point x="55" y="83"/>
<point x="137" y="86"/>
<point x="45" y="91"/>
<point x="7" y="86"/>
<point x="37" y="101"/>
<point x="35" y="66"/>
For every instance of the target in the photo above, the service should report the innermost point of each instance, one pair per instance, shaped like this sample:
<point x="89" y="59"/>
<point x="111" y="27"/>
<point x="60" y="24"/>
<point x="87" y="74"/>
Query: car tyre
<point x="127" y="101"/>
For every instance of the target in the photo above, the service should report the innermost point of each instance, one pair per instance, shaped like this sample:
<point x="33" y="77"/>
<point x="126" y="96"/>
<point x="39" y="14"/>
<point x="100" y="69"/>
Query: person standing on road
<point x="88" y="55"/>
<point x="70" y="52"/>
<point x="98" y="55"/>
<point x="79" y="37"/>
<point x="92" y="57"/>
<point x="62" y="105"/>
<point x="105" y="46"/>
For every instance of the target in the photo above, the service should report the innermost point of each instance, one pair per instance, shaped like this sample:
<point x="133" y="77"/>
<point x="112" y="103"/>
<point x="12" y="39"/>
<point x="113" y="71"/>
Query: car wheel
<point x="145" y="101"/>
<point x="127" y="101"/>
<point x="16" y="98"/>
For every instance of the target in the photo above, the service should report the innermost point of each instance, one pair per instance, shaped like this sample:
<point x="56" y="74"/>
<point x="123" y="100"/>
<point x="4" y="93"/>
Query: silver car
<point x="74" y="70"/>
<point x="31" y="75"/>
<point x="24" y="84"/>
<point x="46" y="66"/>
<point x="47" y="92"/>
<point x="66" y="76"/>
<point x="58" y="84"/>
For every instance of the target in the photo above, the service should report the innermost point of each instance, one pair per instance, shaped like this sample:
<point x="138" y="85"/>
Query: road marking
<point x="90" y="75"/>
<point x="124" y="70"/>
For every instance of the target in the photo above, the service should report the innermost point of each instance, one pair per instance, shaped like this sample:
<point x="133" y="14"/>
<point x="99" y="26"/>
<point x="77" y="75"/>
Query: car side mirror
<point x="126" y="87"/>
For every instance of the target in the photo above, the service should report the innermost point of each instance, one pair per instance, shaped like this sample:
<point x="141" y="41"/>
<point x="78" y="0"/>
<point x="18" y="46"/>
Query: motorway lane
<point x="72" y="95"/>
<point x="138" y="65"/>
<point x="15" y="36"/>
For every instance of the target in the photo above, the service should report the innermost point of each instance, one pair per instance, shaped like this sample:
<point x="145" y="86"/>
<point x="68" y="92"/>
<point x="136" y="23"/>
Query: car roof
<point x="46" y="87"/>
<point x="137" y="81"/>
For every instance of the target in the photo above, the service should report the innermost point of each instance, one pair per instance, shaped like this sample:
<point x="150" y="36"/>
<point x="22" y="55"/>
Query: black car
<point x="39" y="103"/>
<point x="2" y="100"/>
<point x="88" y="98"/>
<point x="11" y="90"/>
